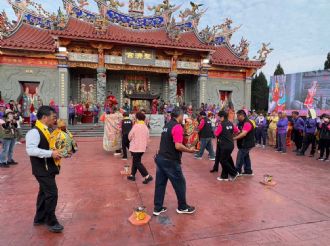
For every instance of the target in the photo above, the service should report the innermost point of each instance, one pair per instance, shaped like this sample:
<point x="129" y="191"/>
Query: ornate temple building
<point x="86" y="56"/>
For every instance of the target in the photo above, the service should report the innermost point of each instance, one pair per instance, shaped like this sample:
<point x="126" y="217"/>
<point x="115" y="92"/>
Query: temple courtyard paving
<point x="95" y="202"/>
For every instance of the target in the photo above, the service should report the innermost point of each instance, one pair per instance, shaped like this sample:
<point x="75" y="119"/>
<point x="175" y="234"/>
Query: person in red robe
<point x="154" y="107"/>
<point x="310" y="95"/>
<point x="110" y="102"/>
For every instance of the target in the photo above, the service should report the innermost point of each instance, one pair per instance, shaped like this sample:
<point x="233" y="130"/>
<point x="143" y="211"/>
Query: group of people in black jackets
<point x="226" y="133"/>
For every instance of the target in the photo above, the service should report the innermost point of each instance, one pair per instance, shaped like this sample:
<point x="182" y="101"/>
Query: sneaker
<point x="188" y="210"/>
<point x="57" y="228"/>
<point x="327" y="160"/>
<point x="18" y="143"/>
<point x="131" y="178"/>
<point x="12" y="162"/>
<point x="197" y="157"/>
<point x="264" y="146"/>
<point x="234" y="178"/>
<point x="213" y="171"/>
<point x="320" y="159"/>
<point x="258" y="145"/>
<point x="124" y="159"/>
<point x="212" y="159"/>
<point x="247" y="174"/>
<point x="38" y="223"/>
<point x="147" y="180"/>
<point x="4" y="165"/>
<point x="116" y="154"/>
<point x="222" y="179"/>
<point x="158" y="212"/>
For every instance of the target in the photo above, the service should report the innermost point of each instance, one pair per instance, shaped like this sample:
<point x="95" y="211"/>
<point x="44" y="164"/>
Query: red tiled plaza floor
<point x="95" y="202"/>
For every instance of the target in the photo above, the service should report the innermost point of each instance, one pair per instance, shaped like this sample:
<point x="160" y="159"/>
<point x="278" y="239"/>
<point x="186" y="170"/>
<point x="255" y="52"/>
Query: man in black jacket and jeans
<point x="168" y="161"/>
<point x="44" y="168"/>
<point x="245" y="142"/>
<point x="205" y="135"/>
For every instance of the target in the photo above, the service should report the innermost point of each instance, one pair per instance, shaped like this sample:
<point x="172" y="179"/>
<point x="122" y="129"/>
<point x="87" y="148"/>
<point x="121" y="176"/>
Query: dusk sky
<point x="297" y="29"/>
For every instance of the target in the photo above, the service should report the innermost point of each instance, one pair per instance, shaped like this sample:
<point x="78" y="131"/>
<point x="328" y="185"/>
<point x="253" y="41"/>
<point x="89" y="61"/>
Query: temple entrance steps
<point x="83" y="130"/>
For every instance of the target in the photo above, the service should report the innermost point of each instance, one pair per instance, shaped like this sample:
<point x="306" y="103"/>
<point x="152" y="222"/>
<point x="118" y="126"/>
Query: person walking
<point x="282" y="129"/>
<point x="324" y="138"/>
<point x="126" y="127"/>
<point x="225" y="146"/>
<point x="138" y="137"/>
<point x="309" y="131"/>
<point x="205" y="135"/>
<point x="8" y="139"/>
<point x="245" y="142"/>
<point x="44" y="168"/>
<point x="168" y="162"/>
<point x="298" y="130"/>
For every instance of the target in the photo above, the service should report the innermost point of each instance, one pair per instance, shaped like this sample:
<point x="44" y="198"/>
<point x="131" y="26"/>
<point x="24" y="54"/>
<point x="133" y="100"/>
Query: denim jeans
<point x="243" y="159"/>
<point x="169" y="170"/>
<point x="8" y="145"/>
<point x="206" y="143"/>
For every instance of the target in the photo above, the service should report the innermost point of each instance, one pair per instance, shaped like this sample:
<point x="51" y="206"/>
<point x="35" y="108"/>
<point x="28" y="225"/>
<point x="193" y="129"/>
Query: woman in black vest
<point x="225" y="147"/>
<point x="44" y="168"/>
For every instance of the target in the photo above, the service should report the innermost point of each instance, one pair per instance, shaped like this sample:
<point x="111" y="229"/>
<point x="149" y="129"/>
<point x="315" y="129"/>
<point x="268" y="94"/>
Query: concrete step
<point x="83" y="130"/>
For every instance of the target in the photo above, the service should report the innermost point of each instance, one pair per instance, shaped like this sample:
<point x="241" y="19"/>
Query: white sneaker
<point x="234" y="178"/>
<point x="221" y="179"/>
<point x="263" y="146"/>
<point x="212" y="159"/>
<point x="116" y="154"/>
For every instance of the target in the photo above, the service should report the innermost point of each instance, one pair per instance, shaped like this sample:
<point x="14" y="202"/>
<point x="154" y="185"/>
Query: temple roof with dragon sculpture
<point x="38" y="30"/>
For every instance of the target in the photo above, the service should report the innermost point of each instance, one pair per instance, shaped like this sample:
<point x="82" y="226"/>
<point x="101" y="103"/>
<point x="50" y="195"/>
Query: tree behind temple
<point x="279" y="70"/>
<point x="327" y="62"/>
<point x="260" y="92"/>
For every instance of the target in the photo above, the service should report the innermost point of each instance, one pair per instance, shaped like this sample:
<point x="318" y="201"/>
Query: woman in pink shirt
<point x="138" y="137"/>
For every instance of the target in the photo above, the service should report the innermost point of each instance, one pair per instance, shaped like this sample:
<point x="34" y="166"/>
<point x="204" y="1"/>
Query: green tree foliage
<point x="279" y="70"/>
<point x="327" y="62"/>
<point x="260" y="92"/>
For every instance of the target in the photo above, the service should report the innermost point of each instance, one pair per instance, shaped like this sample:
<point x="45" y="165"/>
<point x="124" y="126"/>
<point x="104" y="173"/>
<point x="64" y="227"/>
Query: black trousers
<point x="71" y="119"/>
<point x="169" y="170"/>
<point x="227" y="163"/>
<point x="223" y="156"/>
<point x="47" y="200"/>
<point x="309" y="139"/>
<point x="125" y="145"/>
<point x="217" y="158"/>
<point x="324" y="147"/>
<point x="137" y="165"/>
<point x="261" y="135"/>
<point x="297" y="138"/>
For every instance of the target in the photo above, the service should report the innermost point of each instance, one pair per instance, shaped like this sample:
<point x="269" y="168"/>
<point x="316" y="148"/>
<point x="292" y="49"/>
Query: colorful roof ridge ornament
<point x="194" y="14"/>
<point x="242" y="50"/>
<point x="263" y="52"/>
<point x="112" y="25"/>
<point x="136" y="7"/>
<point x="5" y="25"/>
